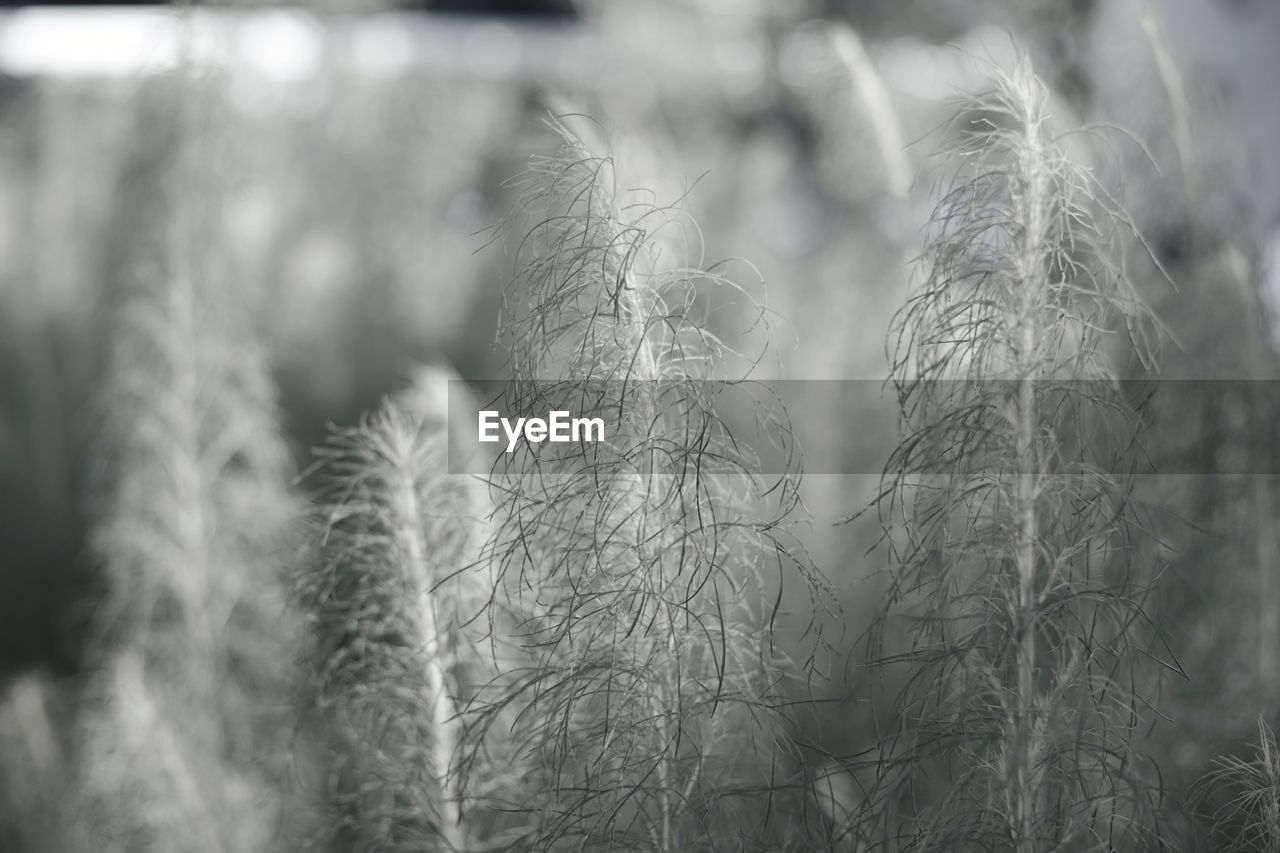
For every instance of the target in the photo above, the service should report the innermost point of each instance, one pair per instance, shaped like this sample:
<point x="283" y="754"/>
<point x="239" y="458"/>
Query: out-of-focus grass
<point x="347" y="212"/>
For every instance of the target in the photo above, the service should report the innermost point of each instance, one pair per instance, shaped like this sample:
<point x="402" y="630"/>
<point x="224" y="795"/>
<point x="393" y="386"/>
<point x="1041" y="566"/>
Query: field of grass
<point x="982" y="558"/>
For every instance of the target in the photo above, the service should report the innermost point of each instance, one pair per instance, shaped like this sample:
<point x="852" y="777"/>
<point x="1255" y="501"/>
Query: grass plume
<point x="1013" y="542"/>
<point x="1247" y="796"/>
<point x="397" y="601"/>
<point x="652" y="702"/>
<point x="193" y="527"/>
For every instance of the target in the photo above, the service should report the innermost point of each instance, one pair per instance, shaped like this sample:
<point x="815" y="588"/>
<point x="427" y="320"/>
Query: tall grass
<point x="193" y="526"/>
<point x="1245" y="796"/>
<point x="1017" y="589"/>
<point x="398" y="608"/>
<point x="651" y="706"/>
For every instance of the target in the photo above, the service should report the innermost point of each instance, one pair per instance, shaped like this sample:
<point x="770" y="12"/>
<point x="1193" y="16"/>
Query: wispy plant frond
<point x="194" y="518"/>
<point x="398" y="605"/>
<point x="1014" y="543"/>
<point x="1245" y="796"/>
<point x="155" y="776"/>
<point x="652" y="707"/>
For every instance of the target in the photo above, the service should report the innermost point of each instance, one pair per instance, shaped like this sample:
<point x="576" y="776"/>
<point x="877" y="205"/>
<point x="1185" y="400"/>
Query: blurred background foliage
<point x="357" y="153"/>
